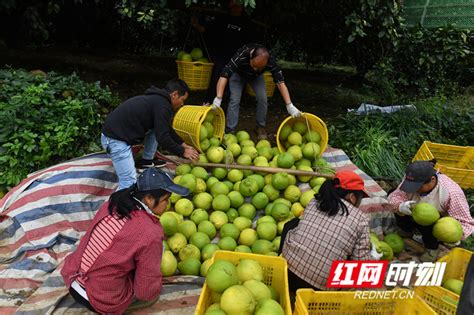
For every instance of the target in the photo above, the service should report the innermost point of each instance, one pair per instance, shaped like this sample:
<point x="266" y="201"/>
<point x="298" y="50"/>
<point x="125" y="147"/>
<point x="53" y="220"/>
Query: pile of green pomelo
<point x="196" y="54"/>
<point x="240" y="289"/>
<point x="236" y="210"/>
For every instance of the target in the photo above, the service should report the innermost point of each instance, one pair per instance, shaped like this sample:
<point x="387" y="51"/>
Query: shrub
<point x="46" y="118"/>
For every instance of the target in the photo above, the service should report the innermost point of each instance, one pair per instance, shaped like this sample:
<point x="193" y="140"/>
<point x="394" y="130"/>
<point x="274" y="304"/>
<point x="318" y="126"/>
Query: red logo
<point x="357" y="274"/>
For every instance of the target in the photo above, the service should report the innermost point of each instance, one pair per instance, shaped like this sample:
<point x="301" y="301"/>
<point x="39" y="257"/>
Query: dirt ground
<point x="323" y="93"/>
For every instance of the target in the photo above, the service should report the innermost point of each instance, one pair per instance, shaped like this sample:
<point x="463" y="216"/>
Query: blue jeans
<point x="122" y="157"/>
<point x="236" y="86"/>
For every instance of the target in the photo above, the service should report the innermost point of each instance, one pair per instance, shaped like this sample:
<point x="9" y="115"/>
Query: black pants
<point x="81" y="300"/>
<point x="294" y="282"/>
<point x="407" y="224"/>
<point x="466" y="300"/>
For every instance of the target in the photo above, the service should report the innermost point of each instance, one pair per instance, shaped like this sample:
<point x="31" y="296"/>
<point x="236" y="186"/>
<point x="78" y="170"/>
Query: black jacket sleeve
<point x="176" y="137"/>
<point x="164" y="133"/>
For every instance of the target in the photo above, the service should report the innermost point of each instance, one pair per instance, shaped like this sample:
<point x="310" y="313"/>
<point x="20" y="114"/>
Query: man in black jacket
<point x="145" y="118"/>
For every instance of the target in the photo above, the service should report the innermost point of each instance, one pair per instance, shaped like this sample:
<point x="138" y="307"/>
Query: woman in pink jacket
<point x="118" y="259"/>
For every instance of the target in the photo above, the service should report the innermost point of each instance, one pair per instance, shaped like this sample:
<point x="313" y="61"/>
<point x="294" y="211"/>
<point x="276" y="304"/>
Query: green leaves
<point x="46" y="119"/>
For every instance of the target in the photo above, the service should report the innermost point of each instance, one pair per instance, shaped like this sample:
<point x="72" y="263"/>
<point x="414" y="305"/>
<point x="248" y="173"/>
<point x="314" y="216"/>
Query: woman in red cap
<point x="332" y="228"/>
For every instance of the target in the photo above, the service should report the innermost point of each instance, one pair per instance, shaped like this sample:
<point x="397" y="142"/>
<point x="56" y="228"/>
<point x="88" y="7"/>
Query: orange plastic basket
<point x="275" y="272"/>
<point x="195" y="73"/>
<point x="457" y="162"/>
<point x="315" y="123"/>
<point x="313" y="302"/>
<point x="269" y="85"/>
<point x="188" y="120"/>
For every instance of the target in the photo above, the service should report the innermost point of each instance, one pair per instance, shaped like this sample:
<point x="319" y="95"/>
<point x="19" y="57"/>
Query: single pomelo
<point x="215" y="154"/>
<point x="285" y="160"/>
<point x="199" y="215"/>
<point x="312" y="136"/>
<point x="386" y="251"/>
<point x="306" y="197"/>
<point x="242" y="135"/>
<point x="250" y="151"/>
<point x="236" y="199"/>
<point x="284" y="201"/>
<point x="271" y="192"/>
<point x="219" y="173"/>
<point x="187" y="228"/>
<point x="276" y="242"/>
<point x="311" y="150"/>
<point x="196" y="53"/>
<point x="232" y="214"/>
<point x="208" y="228"/>
<point x="262" y="247"/>
<point x="292" y="193"/>
<point x="189" y="251"/>
<point x="238" y="300"/>
<point x="248" y="187"/>
<point x="425" y="214"/>
<point x="230" y="230"/>
<point x="316" y="181"/>
<point x="244" y="159"/>
<point x="169" y="223"/>
<point x="209" y="128"/>
<point x="218" y="218"/>
<point x="235" y="149"/>
<point x="248" y="237"/>
<point x="221" y="275"/>
<point x="285" y="132"/>
<point x="268" y="306"/>
<point x="259" y="290"/>
<point x="243" y="249"/>
<point x="169" y="264"/>
<point x="247" y="210"/>
<point x="235" y="175"/>
<point x="202" y="133"/>
<point x="221" y="203"/>
<point x="280" y="211"/>
<point x="184" y="206"/>
<point x="453" y="285"/>
<point x="249" y="269"/>
<point x="176" y="242"/>
<point x="205" y="267"/>
<point x="200" y="172"/>
<point x="296" y="152"/>
<point x="266" y="218"/>
<point x="200" y="186"/>
<point x="280" y="181"/>
<point x="266" y="153"/>
<point x="199" y="239"/>
<point x="263" y="144"/>
<point x="448" y="230"/>
<point x="242" y="223"/>
<point x="295" y="138"/>
<point x="227" y="243"/>
<point x="395" y="242"/>
<point x="204" y="144"/>
<point x="219" y="188"/>
<point x="260" y="200"/>
<point x="304" y="178"/>
<point x="203" y="200"/>
<point x="230" y="138"/>
<point x="188" y="181"/>
<point x="297" y="208"/>
<point x="267" y="231"/>
<point x="183" y="169"/>
<point x="209" y="117"/>
<point x="300" y="127"/>
<point x="211" y="181"/>
<point x="208" y="250"/>
<point x="190" y="266"/>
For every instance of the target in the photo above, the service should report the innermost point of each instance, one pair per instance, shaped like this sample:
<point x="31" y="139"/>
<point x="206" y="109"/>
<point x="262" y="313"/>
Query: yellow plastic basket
<point x="269" y="85"/>
<point x="442" y="301"/>
<point x="455" y="161"/>
<point x="275" y="272"/>
<point x="456" y="263"/>
<point x="315" y="123"/>
<point x="188" y="120"/>
<point x="195" y="73"/>
<point x="313" y="302"/>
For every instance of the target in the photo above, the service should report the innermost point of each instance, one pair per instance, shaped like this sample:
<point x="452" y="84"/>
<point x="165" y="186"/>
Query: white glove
<point x="216" y="103"/>
<point x="293" y="111"/>
<point x="405" y="207"/>
<point x="452" y="245"/>
<point x="374" y="254"/>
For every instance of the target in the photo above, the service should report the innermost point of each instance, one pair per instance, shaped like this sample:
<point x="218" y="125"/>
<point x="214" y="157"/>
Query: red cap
<point x="349" y="180"/>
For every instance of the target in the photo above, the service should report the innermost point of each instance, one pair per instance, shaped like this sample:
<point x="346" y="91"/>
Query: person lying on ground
<point x="117" y="262"/>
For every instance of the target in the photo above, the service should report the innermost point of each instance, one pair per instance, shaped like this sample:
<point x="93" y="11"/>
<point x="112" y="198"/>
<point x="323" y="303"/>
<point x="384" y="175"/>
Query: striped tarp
<point x="43" y="217"/>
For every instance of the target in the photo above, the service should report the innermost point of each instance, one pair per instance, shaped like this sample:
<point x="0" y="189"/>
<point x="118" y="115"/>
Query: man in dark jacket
<point x="247" y="66"/>
<point x="145" y="118"/>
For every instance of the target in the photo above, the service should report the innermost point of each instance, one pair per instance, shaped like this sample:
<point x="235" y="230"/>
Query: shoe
<point x="261" y="133"/>
<point x="142" y="164"/>
<point x="430" y="255"/>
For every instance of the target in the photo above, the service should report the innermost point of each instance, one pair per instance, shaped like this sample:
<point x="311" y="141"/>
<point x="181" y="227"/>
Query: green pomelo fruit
<point x="300" y="127"/>
<point x="203" y="133"/>
<point x="190" y="266"/>
<point x="236" y="199"/>
<point x="230" y="230"/>
<point x="242" y="135"/>
<point x="280" y="181"/>
<point x="448" y="230"/>
<point x="244" y="159"/>
<point x="199" y="239"/>
<point x="263" y="144"/>
<point x="249" y="269"/>
<point x="316" y="181"/>
<point x="235" y="175"/>
<point x="267" y="231"/>
<point x="292" y="193"/>
<point x="169" y="223"/>
<point x="208" y="228"/>
<point x="295" y="138"/>
<point x="200" y="172"/>
<point x="199" y="215"/>
<point x="280" y="211"/>
<point x="248" y="187"/>
<point x="243" y="249"/>
<point x="238" y="300"/>
<point x="242" y="223"/>
<point x="271" y="192"/>
<point x="260" y="200"/>
<point x="285" y="160"/>
<point x="453" y="285"/>
<point x="203" y="200"/>
<point x="215" y="154"/>
<point x="184" y="206"/>
<point x="395" y="242"/>
<point x="306" y="197"/>
<point x="227" y="243"/>
<point x="386" y="251"/>
<point x="169" y="264"/>
<point x="205" y="267"/>
<point x="232" y="214"/>
<point x="425" y="214"/>
<point x="187" y="228"/>
<point x="221" y="275"/>
<point x="262" y="247"/>
<point x="247" y="210"/>
<point x="296" y="152"/>
<point x="188" y="181"/>
<point x="268" y="306"/>
<point x="208" y="250"/>
<point x="259" y="290"/>
<point x="248" y="237"/>
<point x="183" y="169"/>
<point x="219" y="173"/>
<point x="218" y="218"/>
<point x="219" y="188"/>
<point x="196" y="53"/>
<point x="221" y="203"/>
<point x="189" y="251"/>
<point x="285" y="132"/>
<point x="176" y="242"/>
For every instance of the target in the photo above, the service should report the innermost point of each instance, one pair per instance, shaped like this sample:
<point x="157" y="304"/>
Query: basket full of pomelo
<point x="194" y="69"/>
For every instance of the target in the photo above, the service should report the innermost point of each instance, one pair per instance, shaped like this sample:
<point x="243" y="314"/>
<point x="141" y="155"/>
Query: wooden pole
<point x="260" y="169"/>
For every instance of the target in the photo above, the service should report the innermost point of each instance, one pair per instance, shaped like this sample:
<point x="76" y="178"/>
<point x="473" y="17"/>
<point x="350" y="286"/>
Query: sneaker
<point x="430" y="255"/>
<point x="142" y="164"/>
<point x="261" y="133"/>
